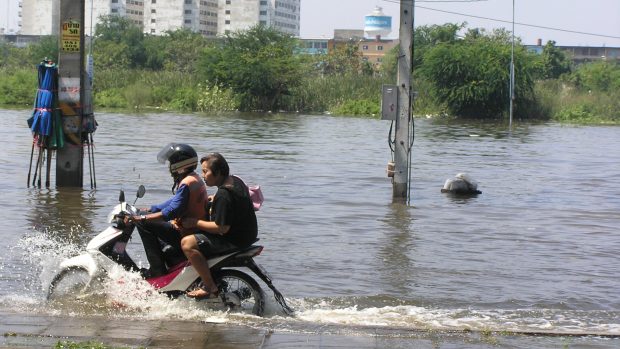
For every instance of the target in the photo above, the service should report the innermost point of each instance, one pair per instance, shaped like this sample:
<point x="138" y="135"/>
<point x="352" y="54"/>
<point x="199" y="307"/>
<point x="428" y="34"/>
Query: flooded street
<point x="536" y="251"/>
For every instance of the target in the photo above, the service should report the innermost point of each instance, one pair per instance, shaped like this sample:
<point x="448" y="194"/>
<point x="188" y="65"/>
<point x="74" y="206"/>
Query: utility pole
<point x="71" y="96"/>
<point x="403" y="134"/>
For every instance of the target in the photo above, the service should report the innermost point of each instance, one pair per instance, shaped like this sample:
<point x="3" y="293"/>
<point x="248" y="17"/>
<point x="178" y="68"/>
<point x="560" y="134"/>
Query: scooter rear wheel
<point x="240" y="292"/>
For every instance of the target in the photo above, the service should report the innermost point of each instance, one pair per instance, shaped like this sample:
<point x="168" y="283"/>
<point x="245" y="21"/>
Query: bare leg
<point x="193" y="254"/>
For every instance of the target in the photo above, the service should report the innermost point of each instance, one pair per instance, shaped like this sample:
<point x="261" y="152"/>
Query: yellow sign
<point x="70" y="36"/>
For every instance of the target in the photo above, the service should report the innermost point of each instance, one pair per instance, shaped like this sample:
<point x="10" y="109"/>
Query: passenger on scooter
<point x="230" y="223"/>
<point x="189" y="201"/>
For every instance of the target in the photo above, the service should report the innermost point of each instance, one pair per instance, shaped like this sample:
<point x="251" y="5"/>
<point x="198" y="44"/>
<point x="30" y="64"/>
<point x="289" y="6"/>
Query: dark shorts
<point x="213" y="245"/>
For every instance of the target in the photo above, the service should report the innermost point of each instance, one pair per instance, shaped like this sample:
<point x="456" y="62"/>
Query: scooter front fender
<point x="84" y="261"/>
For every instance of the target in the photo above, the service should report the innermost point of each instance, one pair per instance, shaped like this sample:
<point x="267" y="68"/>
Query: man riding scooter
<point x="190" y="197"/>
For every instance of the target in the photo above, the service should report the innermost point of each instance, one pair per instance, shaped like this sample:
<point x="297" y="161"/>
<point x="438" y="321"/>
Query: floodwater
<point x="536" y="251"/>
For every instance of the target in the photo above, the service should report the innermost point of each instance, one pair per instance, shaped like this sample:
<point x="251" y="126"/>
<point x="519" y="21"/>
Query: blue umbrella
<point x="45" y="121"/>
<point x="42" y="116"/>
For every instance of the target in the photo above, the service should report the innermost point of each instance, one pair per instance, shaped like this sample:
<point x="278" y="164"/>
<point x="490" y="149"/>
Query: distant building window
<point x="365" y="47"/>
<point x="153" y="10"/>
<point x="152" y="31"/>
<point x="227" y="21"/>
<point x="153" y="1"/>
<point x="262" y="22"/>
<point x="188" y="21"/>
<point x="227" y="2"/>
<point x="227" y="12"/>
<point x="263" y="3"/>
<point x="188" y="12"/>
<point x="188" y="2"/>
<point x="114" y="10"/>
<point x="153" y="20"/>
<point x="115" y="1"/>
<point x="263" y="13"/>
<point x="379" y="48"/>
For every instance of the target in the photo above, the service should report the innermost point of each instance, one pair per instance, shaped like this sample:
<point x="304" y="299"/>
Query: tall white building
<point x="237" y="15"/>
<point x="208" y="17"/>
<point x="199" y="16"/>
<point x="40" y="17"/>
<point x="130" y="9"/>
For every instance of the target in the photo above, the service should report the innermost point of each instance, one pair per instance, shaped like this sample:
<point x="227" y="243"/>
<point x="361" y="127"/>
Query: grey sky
<point x="319" y="18"/>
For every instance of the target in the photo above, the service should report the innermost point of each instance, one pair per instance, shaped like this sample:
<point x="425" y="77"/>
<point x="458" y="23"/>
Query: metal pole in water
<point x="512" y="65"/>
<point x="402" y="147"/>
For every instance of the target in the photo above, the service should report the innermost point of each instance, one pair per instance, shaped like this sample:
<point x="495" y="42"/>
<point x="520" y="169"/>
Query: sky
<point x="319" y="18"/>
<point x="570" y="20"/>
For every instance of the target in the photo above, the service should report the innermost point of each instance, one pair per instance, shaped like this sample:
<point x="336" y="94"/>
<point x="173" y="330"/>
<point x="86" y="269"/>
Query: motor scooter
<point x="238" y="291"/>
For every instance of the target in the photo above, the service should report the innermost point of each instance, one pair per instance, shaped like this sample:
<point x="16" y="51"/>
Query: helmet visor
<point x="165" y="152"/>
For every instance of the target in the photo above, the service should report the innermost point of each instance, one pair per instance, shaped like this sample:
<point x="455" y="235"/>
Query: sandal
<point x="202" y="292"/>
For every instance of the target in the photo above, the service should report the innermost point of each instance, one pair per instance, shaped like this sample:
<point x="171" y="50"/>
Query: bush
<point x="110" y="98"/>
<point x="212" y="98"/>
<point x="365" y="107"/>
<point x="18" y="86"/>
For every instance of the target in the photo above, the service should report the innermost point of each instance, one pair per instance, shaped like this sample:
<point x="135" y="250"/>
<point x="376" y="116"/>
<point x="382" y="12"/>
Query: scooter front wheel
<point x="70" y="281"/>
<point x="240" y="292"/>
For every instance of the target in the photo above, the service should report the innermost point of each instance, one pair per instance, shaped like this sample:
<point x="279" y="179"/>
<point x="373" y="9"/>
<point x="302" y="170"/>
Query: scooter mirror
<point x="141" y="191"/>
<point x="121" y="196"/>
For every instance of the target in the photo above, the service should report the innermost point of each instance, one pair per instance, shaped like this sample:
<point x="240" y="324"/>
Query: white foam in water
<point x="126" y="294"/>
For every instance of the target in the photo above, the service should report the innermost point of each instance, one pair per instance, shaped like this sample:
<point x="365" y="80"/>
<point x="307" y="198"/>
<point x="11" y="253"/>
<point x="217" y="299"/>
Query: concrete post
<point x="400" y="184"/>
<point x="69" y="159"/>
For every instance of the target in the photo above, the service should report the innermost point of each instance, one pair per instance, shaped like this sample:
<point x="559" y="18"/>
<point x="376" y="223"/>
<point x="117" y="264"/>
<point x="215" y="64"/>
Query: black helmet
<point x="182" y="158"/>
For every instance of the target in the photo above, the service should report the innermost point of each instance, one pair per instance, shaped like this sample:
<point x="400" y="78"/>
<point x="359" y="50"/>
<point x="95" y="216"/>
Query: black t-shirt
<point x="232" y="206"/>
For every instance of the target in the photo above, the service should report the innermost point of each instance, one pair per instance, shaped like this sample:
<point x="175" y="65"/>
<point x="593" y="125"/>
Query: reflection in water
<point x="63" y="213"/>
<point x="397" y="252"/>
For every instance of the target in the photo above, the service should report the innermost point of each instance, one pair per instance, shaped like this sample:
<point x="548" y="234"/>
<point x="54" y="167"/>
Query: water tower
<point x="377" y="24"/>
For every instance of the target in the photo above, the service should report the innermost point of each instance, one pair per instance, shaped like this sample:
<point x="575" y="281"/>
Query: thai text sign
<point x="70" y="36"/>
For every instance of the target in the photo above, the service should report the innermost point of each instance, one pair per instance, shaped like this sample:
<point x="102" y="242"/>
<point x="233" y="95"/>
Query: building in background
<point x="40" y="17"/>
<point x="235" y="15"/>
<point x="11" y="20"/>
<point x="199" y="16"/>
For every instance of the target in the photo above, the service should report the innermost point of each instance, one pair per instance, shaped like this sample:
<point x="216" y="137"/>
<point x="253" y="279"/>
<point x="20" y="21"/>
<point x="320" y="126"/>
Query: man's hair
<point x="217" y="164"/>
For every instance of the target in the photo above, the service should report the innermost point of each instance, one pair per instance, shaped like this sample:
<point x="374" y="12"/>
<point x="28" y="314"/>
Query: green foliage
<point x="110" y="98"/>
<point x="343" y="59"/>
<point x="471" y="76"/>
<point x="119" y="42"/>
<point x="18" y="86"/>
<point x="322" y="93"/>
<point x="597" y="76"/>
<point x="214" y="98"/>
<point x="47" y="47"/>
<point x="257" y="64"/>
<point x="554" y="62"/>
<point x="177" y="50"/>
<point x="427" y="36"/>
<point x="138" y="95"/>
<point x="575" y="113"/>
<point x="366" y="107"/>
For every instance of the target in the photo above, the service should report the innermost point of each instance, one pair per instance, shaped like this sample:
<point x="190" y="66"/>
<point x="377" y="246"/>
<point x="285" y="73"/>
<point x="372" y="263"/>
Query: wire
<point x="501" y="20"/>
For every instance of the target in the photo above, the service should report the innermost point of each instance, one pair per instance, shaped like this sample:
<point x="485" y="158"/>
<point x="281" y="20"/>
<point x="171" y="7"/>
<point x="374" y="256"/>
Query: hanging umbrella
<point x="45" y="122"/>
<point x="42" y="116"/>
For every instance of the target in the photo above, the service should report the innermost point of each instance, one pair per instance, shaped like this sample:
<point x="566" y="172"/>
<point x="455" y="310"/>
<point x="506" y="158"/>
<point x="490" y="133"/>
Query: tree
<point x="345" y="58"/>
<point x="257" y="64"/>
<point x="426" y="37"/>
<point x="115" y="30"/>
<point x="600" y="76"/>
<point x="471" y="76"/>
<point x="554" y="62"/>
